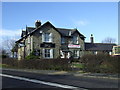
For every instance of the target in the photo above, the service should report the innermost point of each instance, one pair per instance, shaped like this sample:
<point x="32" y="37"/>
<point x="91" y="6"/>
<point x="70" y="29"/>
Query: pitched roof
<point x="23" y="33"/>
<point x="29" y="29"/>
<point x="65" y="32"/>
<point x="99" y="46"/>
<point x="62" y="31"/>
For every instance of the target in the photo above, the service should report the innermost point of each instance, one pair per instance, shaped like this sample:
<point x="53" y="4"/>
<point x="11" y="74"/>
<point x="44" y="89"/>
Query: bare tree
<point x="8" y="45"/>
<point x="109" y="40"/>
<point x="3" y="53"/>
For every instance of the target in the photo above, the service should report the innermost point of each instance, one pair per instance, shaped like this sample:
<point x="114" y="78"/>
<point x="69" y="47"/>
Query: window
<point x="47" y="37"/>
<point x="62" y="40"/>
<point x="48" y="53"/>
<point x="28" y="39"/>
<point x="75" y="39"/>
<point x="110" y="53"/>
<point x="62" y="54"/>
<point x="95" y="52"/>
<point x="117" y="50"/>
<point x="76" y="53"/>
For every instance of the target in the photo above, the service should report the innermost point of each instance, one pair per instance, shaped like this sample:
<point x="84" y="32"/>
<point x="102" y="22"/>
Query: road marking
<point x="42" y="82"/>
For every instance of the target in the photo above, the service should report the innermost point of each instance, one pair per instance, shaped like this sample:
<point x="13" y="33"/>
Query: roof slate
<point x="99" y="46"/>
<point x="23" y="33"/>
<point x="62" y="31"/>
<point x="65" y="32"/>
<point x="29" y="29"/>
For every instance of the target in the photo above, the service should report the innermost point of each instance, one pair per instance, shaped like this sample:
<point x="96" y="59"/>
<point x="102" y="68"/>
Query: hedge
<point x="101" y="63"/>
<point x="43" y="64"/>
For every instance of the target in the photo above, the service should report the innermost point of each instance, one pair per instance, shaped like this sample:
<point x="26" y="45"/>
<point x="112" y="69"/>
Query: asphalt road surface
<point x="19" y="79"/>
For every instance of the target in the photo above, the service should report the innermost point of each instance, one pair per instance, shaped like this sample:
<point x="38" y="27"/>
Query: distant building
<point x="96" y="48"/>
<point x="116" y="50"/>
<point x="47" y="41"/>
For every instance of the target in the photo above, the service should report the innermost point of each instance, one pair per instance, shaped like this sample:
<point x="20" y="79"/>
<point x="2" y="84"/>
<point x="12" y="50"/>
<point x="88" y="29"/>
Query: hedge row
<point x="101" y="63"/>
<point x="44" y="64"/>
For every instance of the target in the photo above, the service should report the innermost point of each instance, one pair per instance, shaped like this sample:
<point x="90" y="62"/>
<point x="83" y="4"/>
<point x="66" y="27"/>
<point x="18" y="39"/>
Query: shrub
<point x="31" y="56"/>
<point x="43" y="64"/>
<point x="111" y="65"/>
<point x="101" y="63"/>
<point x="10" y="62"/>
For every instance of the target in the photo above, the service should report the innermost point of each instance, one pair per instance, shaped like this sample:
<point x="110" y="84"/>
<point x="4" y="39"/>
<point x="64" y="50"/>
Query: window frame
<point x="75" y="40"/>
<point x="76" y="53"/>
<point x="48" y="53"/>
<point x="47" y="37"/>
<point x="62" y="40"/>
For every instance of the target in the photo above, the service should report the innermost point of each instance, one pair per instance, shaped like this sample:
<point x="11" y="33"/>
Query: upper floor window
<point x="47" y="37"/>
<point x="75" y="39"/>
<point x="28" y="39"/>
<point x="62" y="40"/>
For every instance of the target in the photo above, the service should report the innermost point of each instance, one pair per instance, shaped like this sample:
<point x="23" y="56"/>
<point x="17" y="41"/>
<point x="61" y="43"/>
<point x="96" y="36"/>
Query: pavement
<point x="74" y="73"/>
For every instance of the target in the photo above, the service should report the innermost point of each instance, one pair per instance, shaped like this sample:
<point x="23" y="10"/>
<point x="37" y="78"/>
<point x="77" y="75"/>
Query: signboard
<point x="47" y="45"/>
<point x="73" y="46"/>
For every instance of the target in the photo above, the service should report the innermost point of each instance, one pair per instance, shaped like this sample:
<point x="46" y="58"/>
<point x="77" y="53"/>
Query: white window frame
<point x="49" y="53"/>
<point x="46" y="38"/>
<point x="75" y="39"/>
<point x="76" y="53"/>
<point x="110" y="53"/>
<point x="31" y="41"/>
<point x="62" y="40"/>
<point x="62" y="54"/>
<point x="95" y="52"/>
<point x="28" y="39"/>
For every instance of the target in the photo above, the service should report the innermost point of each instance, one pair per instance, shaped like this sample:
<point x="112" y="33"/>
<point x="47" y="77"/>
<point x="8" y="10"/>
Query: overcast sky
<point x="97" y="18"/>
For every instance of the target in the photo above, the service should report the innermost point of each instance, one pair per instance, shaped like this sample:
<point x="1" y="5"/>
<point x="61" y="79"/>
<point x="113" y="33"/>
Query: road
<point x="19" y="79"/>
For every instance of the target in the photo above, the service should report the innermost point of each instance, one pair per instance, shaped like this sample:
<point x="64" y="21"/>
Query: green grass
<point x="77" y="65"/>
<point x="3" y="66"/>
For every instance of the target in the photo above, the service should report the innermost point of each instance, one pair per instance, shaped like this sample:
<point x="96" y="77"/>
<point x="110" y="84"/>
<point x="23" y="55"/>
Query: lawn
<point x="77" y="65"/>
<point x="3" y="65"/>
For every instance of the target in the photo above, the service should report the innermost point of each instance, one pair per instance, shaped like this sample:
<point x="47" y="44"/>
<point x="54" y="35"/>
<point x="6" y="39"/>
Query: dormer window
<point x="62" y="40"/>
<point x="70" y="33"/>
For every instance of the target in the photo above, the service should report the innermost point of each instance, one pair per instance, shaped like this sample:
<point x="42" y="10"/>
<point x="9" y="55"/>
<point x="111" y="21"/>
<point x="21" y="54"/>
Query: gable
<point x="48" y="28"/>
<point x="47" y="25"/>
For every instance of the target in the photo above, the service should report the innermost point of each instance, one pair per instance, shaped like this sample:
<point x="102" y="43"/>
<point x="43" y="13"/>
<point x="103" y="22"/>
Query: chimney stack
<point x="91" y="38"/>
<point x="37" y="23"/>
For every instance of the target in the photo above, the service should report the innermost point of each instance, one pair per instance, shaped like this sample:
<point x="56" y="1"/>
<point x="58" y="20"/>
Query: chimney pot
<point x="92" y="38"/>
<point x="37" y="23"/>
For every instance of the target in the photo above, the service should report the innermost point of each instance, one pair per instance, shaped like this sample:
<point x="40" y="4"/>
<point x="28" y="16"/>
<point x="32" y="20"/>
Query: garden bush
<point x="100" y="63"/>
<point x="43" y="64"/>
<point x="31" y="56"/>
<point x="11" y="62"/>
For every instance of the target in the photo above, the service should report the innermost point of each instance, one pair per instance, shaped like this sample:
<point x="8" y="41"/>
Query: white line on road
<point x="41" y="82"/>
